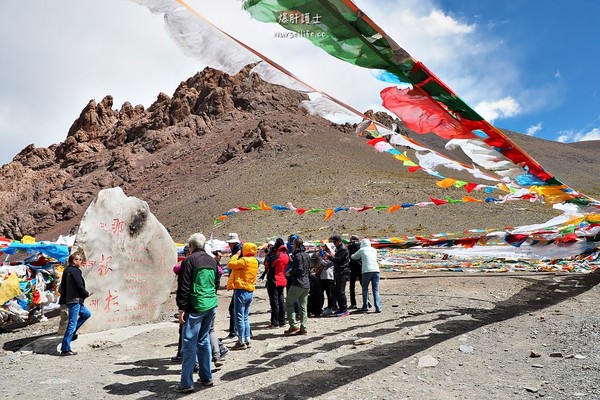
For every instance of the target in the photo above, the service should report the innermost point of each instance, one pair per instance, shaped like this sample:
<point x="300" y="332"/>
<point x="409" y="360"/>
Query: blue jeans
<point x="242" y="300"/>
<point x="78" y="314"/>
<point x="196" y="344"/>
<point x="373" y="278"/>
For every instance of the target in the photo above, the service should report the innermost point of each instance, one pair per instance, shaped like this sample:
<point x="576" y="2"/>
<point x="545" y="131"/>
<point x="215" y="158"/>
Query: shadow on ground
<point x="536" y="296"/>
<point x="540" y="293"/>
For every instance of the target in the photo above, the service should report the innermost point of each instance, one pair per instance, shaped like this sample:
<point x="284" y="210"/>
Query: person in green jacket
<point x="197" y="303"/>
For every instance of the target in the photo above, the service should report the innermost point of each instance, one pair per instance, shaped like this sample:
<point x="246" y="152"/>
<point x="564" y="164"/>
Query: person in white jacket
<point x="370" y="273"/>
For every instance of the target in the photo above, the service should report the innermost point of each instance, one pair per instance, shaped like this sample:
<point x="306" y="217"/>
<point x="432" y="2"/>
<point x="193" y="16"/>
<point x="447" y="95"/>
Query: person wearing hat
<point x="341" y="271"/>
<point x="176" y="269"/>
<point x="197" y="302"/>
<point x="235" y="245"/>
<point x="244" y="269"/>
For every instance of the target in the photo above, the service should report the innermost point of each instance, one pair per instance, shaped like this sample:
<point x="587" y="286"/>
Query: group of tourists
<point x="289" y="268"/>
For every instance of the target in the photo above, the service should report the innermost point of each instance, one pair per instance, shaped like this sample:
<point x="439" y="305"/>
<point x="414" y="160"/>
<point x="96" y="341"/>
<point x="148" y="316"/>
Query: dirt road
<point x="440" y="336"/>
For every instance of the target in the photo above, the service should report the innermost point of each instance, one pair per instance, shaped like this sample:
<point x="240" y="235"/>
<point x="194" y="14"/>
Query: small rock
<point x="362" y="341"/>
<point x="466" y="349"/>
<point x="579" y="356"/>
<point x="532" y="389"/>
<point x="534" y="354"/>
<point x="537" y="365"/>
<point x="556" y="354"/>
<point x="427" y="361"/>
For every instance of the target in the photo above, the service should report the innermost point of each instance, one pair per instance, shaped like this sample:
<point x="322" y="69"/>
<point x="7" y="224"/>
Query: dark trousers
<point x="232" y="331"/>
<point x="277" y="304"/>
<point x="340" y="287"/>
<point x="355" y="275"/>
<point x="328" y="287"/>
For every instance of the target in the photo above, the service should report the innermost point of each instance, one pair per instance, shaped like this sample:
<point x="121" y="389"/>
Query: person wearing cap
<point x="176" y="269"/>
<point x="244" y="269"/>
<point x="235" y="246"/>
<point x="197" y="302"/>
<point x="298" y="275"/>
<point x="341" y="271"/>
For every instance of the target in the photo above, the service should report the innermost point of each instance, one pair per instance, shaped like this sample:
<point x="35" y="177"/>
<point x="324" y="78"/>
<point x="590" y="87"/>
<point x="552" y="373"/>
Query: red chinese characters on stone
<point x="103" y="267"/>
<point x="94" y="304"/>
<point x="116" y="227"/>
<point x="112" y="302"/>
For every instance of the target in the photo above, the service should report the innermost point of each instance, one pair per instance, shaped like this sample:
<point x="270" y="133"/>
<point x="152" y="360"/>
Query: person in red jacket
<point x="275" y="263"/>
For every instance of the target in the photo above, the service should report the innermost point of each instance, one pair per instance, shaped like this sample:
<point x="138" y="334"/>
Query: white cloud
<point x="66" y="53"/>
<point x="557" y="75"/>
<point x="503" y="108"/>
<point x="571" y="136"/>
<point x="534" y="129"/>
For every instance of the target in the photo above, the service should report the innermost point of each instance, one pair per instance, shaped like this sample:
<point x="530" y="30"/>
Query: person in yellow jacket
<point x="244" y="269"/>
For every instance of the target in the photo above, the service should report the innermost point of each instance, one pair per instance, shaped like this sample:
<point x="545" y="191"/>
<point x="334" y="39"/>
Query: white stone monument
<point x="128" y="261"/>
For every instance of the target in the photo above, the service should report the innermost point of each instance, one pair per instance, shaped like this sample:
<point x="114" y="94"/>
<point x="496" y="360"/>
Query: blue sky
<point x="529" y="66"/>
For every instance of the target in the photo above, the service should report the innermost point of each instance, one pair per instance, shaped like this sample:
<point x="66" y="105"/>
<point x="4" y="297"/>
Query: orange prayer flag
<point x="394" y="208"/>
<point x="446" y="183"/>
<point x="328" y="213"/>
<point x="469" y="199"/>
<point x="264" y="207"/>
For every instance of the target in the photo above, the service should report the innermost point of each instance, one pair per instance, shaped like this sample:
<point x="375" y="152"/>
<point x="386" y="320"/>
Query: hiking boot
<point x="343" y="314"/>
<point x="176" y="359"/>
<point x="291" y="331"/>
<point x="224" y="351"/>
<point x="327" y="312"/>
<point x="302" y="332"/>
<point x="352" y="306"/>
<point x="239" y="346"/>
<point x="218" y="363"/>
<point x="205" y="383"/>
<point x="182" y="389"/>
<point x="229" y="339"/>
<point x="68" y="353"/>
<point x="248" y="344"/>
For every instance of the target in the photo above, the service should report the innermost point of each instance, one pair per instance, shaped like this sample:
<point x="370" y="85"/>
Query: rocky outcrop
<point x="107" y="147"/>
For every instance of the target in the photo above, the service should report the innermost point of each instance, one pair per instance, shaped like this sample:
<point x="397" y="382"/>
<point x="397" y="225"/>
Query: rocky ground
<point x="440" y="336"/>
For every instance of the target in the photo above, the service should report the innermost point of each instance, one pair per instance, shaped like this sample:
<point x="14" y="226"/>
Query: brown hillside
<point x="224" y="141"/>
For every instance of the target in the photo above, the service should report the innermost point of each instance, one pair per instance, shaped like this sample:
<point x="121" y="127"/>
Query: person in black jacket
<point x="341" y="271"/>
<point x="355" y="269"/>
<point x="72" y="293"/>
<point x="299" y="289"/>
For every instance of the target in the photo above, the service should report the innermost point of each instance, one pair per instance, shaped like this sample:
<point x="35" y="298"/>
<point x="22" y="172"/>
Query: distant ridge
<point x="223" y="141"/>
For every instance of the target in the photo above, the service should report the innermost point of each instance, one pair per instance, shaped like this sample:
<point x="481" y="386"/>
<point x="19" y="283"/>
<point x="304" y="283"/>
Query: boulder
<point x="129" y="256"/>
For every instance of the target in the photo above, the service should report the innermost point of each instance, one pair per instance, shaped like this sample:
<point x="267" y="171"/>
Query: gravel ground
<point x="440" y="336"/>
